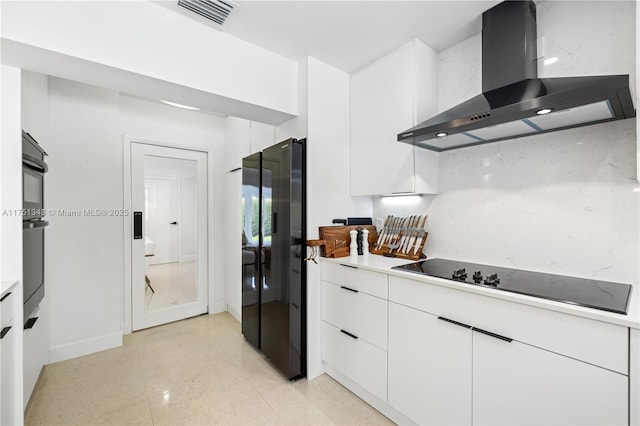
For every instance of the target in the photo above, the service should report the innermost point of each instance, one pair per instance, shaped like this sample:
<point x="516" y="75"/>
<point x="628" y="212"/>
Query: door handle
<point x="4" y="332"/>
<point x="461" y="324"/>
<point x="488" y="333"/>
<point x="30" y="323"/>
<point x="173" y="223"/>
<point x="137" y="225"/>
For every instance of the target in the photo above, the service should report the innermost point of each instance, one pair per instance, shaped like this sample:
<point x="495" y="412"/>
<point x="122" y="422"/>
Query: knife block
<point x="385" y="251"/>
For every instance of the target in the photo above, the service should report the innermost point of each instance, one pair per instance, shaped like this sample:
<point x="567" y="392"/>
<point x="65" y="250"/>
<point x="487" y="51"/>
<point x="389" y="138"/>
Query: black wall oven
<point x="33" y="225"/>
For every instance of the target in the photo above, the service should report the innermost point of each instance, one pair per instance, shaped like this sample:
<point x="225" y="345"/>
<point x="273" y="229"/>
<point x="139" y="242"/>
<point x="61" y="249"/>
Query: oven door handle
<point x="34" y="224"/>
<point x="34" y="163"/>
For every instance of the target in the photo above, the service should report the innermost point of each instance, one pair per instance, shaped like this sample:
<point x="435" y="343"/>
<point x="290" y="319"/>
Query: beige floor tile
<point x="299" y="410"/>
<point x="199" y="371"/>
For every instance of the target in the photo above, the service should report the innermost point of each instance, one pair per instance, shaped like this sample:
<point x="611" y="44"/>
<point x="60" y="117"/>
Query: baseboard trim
<point x="234" y="313"/>
<point x="84" y="347"/>
<point x="375" y="402"/>
<point x="219" y="307"/>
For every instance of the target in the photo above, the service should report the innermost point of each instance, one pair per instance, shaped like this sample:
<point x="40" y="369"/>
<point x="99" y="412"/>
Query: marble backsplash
<point x="565" y="202"/>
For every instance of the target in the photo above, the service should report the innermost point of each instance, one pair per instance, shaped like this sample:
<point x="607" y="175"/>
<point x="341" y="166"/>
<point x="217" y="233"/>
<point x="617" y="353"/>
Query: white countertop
<point x="384" y="264"/>
<point x="5" y="286"/>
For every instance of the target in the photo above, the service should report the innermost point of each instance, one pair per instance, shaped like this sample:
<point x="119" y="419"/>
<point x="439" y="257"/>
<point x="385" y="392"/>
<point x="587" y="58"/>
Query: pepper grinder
<point x="359" y="240"/>
<point x="353" y="247"/>
<point x="365" y="242"/>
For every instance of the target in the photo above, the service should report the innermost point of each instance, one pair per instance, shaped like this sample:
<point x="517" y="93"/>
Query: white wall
<point x="328" y="189"/>
<point x="146" y="39"/>
<point x="10" y="175"/>
<point x="563" y="202"/>
<point x="85" y="254"/>
<point x="11" y="199"/>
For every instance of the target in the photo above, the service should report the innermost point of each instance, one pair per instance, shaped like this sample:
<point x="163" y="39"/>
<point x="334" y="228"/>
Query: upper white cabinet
<point x="388" y="97"/>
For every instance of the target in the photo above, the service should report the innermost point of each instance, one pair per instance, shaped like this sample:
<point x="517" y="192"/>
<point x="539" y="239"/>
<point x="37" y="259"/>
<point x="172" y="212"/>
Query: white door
<point x="161" y="217"/>
<point x="169" y="204"/>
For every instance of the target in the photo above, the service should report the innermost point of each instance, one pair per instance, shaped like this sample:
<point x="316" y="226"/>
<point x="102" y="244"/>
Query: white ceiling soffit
<point x="349" y="34"/>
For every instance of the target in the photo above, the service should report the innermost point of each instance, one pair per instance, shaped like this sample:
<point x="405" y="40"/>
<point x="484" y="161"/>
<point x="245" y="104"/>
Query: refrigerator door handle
<point x="274" y="223"/>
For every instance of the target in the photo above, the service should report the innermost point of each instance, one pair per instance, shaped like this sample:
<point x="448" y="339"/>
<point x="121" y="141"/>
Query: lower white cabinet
<point x="35" y="352"/>
<point x="429" y="368"/>
<point x="445" y="372"/>
<point x="456" y="358"/>
<point x="8" y="367"/>
<point x="515" y="383"/>
<point x="354" y="325"/>
<point x="362" y="362"/>
<point x="356" y="312"/>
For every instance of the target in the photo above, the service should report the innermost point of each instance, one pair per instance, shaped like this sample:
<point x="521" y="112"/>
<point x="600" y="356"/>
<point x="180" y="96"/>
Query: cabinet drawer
<point x="362" y="362"/>
<point x="373" y="283"/>
<point x="356" y="312"/>
<point x="6" y="306"/>
<point x="595" y="342"/>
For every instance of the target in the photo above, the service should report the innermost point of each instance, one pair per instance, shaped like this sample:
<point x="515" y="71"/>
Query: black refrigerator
<point x="273" y="249"/>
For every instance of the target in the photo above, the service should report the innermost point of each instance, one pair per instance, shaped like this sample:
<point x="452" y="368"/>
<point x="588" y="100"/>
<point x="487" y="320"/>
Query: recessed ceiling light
<point x="551" y="60"/>
<point x="180" y="105"/>
<point x="441" y="134"/>
<point x="544" y="111"/>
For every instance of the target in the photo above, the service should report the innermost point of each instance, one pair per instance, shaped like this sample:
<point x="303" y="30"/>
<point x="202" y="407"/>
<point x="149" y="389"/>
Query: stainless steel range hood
<point x="514" y="101"/>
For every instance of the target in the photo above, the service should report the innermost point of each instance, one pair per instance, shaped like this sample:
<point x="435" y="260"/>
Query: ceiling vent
<point x="216" y="10"/>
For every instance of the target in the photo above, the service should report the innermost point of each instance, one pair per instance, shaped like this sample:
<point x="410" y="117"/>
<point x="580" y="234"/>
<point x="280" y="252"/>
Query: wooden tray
<point x="337" y="239"/>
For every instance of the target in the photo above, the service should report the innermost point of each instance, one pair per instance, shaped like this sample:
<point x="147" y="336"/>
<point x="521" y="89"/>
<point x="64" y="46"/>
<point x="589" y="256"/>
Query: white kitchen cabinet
<point x="358" y="313"/>
<point x="360" y="361"/>
<point x="8" y="366"/>
<point x="429" y="367"/>
<point x="369" y="282"/>
<point x="526" y="365"/>
<point x="35" y="349"/>
<point x="515" y="383"/>
<point x="354" y="325"/>
<point x="387" y="97"/>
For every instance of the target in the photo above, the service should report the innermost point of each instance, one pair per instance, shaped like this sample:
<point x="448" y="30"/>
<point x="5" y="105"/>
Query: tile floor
<point x="198" y="371"/>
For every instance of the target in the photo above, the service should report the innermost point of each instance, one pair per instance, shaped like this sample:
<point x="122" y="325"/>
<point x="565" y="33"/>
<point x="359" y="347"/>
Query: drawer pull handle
<point x="353" y="336"/>
<point x="348" y="266"/>
<point x="349" y="289"/>
<point x="488" y="333"/>
<point x="5" y="296"/>
<point x="4" y="331"/>
<point x="30" y="323"/>
<point x="461" y="324"/>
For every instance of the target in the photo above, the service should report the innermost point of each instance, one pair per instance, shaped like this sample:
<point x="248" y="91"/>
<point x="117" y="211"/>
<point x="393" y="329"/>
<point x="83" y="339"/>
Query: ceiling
<point x="348" y="34"/>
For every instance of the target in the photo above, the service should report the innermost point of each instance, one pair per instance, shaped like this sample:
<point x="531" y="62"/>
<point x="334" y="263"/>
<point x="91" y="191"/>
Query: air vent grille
<point x="216" y="10"/>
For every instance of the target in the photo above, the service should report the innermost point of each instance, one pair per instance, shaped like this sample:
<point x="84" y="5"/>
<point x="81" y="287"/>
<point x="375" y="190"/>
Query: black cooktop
<point x="603" y="295"/>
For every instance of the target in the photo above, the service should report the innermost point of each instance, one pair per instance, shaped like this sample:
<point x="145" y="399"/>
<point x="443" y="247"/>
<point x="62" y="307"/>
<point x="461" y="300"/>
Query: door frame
<point x="127" y="140"/>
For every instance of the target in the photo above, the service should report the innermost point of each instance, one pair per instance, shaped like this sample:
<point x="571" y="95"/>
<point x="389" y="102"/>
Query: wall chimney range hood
<point x="514" y="102"/>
